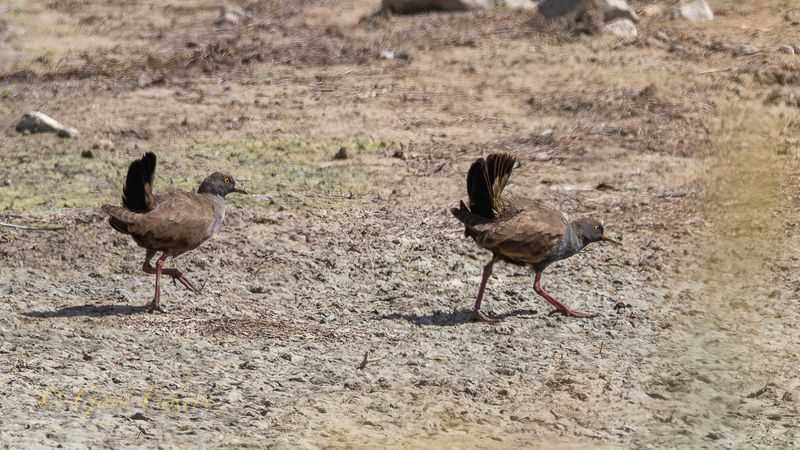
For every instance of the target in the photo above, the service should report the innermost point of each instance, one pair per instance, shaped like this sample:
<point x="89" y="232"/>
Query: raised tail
<point x="137" y="195"/>
<point x="486" y="180"/>
<point x="120" y="218"/>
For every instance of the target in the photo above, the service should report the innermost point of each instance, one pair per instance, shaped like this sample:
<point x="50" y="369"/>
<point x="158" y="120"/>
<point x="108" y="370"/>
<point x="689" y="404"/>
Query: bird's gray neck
<point x="573" y="242"/>
<point x="218" y="204"/>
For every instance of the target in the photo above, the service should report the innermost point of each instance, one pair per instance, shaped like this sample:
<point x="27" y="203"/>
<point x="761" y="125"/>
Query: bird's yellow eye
<point x="227" y="180"/>
<point x="597" y="228"/>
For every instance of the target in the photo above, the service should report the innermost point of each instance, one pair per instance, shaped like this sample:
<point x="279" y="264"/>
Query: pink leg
<point x="476" y="310"/>
<point x="156" y="303"/>
<point x="560" y="308"/>
<point x="174" y="273"/>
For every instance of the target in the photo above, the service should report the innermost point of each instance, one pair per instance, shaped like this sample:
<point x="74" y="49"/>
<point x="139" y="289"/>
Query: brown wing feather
<point x="180" y="222"/>
<point x="529" y="236"/>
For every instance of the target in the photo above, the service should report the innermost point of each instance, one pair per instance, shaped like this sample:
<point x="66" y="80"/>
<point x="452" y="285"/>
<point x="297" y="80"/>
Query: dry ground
<point x="687" y="152"/>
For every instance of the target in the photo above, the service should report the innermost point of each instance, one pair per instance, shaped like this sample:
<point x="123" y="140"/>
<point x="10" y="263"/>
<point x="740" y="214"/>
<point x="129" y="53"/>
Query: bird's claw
<point x="481" y="317"/>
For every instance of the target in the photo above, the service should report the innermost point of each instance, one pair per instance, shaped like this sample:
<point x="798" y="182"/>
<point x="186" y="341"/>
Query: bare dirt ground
<point x="685" y="151"/>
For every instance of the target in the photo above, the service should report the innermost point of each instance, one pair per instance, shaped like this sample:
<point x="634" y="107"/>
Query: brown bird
<point x="172" y="222"/>
<point x="532" y="235"/>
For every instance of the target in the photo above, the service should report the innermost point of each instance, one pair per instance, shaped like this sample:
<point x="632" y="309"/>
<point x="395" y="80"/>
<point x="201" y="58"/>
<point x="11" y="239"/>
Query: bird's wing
<point x="529" y="236"/>
<point x="180" y="222"/>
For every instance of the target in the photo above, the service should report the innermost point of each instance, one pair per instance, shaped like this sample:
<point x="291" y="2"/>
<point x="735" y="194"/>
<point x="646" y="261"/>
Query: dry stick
<point x="23" y="227"/>
<point x="363" y="364"/>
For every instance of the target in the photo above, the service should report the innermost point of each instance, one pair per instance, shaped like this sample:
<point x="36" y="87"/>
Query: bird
<point x="528" y="233"/>
<point x="172" y="222"/>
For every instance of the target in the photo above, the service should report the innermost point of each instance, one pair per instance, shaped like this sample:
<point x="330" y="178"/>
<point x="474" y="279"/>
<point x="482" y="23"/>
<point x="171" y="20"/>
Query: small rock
<point x="619" y="9"/>
<point x="387" y="54"/>
<point x="399" y="154"/>
<point x="792" y="16"/>
<point x="653" y="42"/>
<point x="139" y="416"/>
<point x="745" y="49"/>
<point x="714" y="436"/>
<point x="341" y="154"/>
<point x="5" y="182"/>
<point x="37" y="122"/>
<point x="623" y="28"/>
<point x="693" y="10"/>
<point x="717" y="46"/>
<point x="677" y="48"/>
<point x="232" y="16"/>
<point x="521" y="4"/>
<point x="788" y="49"/>
<point x="88" y="154"/>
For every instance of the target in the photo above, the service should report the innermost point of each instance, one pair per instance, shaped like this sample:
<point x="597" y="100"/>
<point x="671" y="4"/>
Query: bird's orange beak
<point x="608" y="239"/>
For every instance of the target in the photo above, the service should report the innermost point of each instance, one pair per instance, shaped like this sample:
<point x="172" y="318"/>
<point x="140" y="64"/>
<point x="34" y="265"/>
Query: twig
<point x="363" y="364"/>
<point x="23" y="227"/>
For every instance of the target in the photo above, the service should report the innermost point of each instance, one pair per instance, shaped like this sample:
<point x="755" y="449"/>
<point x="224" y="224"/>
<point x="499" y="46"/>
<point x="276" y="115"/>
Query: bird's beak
<point x="608" y="239"/>
<point x="236" y="189"/>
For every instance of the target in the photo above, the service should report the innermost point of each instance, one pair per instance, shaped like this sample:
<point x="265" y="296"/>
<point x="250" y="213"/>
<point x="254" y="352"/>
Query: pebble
<point x="745" y="49"/>
<point x="788" y="49"/>
<point x="341" y="154"/>
<point x="623" y="28"/>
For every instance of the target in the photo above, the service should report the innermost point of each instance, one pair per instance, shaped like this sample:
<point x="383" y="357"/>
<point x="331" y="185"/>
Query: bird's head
<point x="591" y="230"/>
<point x="220" y="184"/>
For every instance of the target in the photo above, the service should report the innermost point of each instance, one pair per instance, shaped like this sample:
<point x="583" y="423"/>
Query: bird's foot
<point x="478" y="316"/>
<point x="153" y="307"/>
<point x="177" y="275"/>
<point x="573" y="313"/>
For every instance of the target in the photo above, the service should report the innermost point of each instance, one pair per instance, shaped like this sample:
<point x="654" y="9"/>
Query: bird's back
<point x="527" y="235"/>
<point x="180" y="222"/>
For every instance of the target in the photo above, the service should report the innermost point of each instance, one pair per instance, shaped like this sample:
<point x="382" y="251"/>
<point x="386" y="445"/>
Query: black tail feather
<point x="486" y="180"/>
<point x="137" y="194"/>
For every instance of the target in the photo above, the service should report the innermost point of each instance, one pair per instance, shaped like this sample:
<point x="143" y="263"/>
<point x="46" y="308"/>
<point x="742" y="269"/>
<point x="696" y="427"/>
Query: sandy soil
<point x="335" y="308"/>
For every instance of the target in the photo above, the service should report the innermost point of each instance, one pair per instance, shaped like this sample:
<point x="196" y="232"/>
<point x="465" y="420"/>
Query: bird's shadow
<point x="88" y="311"/>
<point x="452" y="318"/>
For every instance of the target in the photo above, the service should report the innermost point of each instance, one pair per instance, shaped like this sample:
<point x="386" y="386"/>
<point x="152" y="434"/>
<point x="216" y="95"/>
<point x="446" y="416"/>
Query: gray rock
<point x="612" y="9"/>
<point x="693" y="10"/>
<point x="745" y="49"/>
<point x="417" y="6"/>
<point x="521" y="4"/>
<point x="623" y="28"/>
<point x="616" y="9"/>
<point x="788" y="49"/>
<point x="37" y="122"/>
